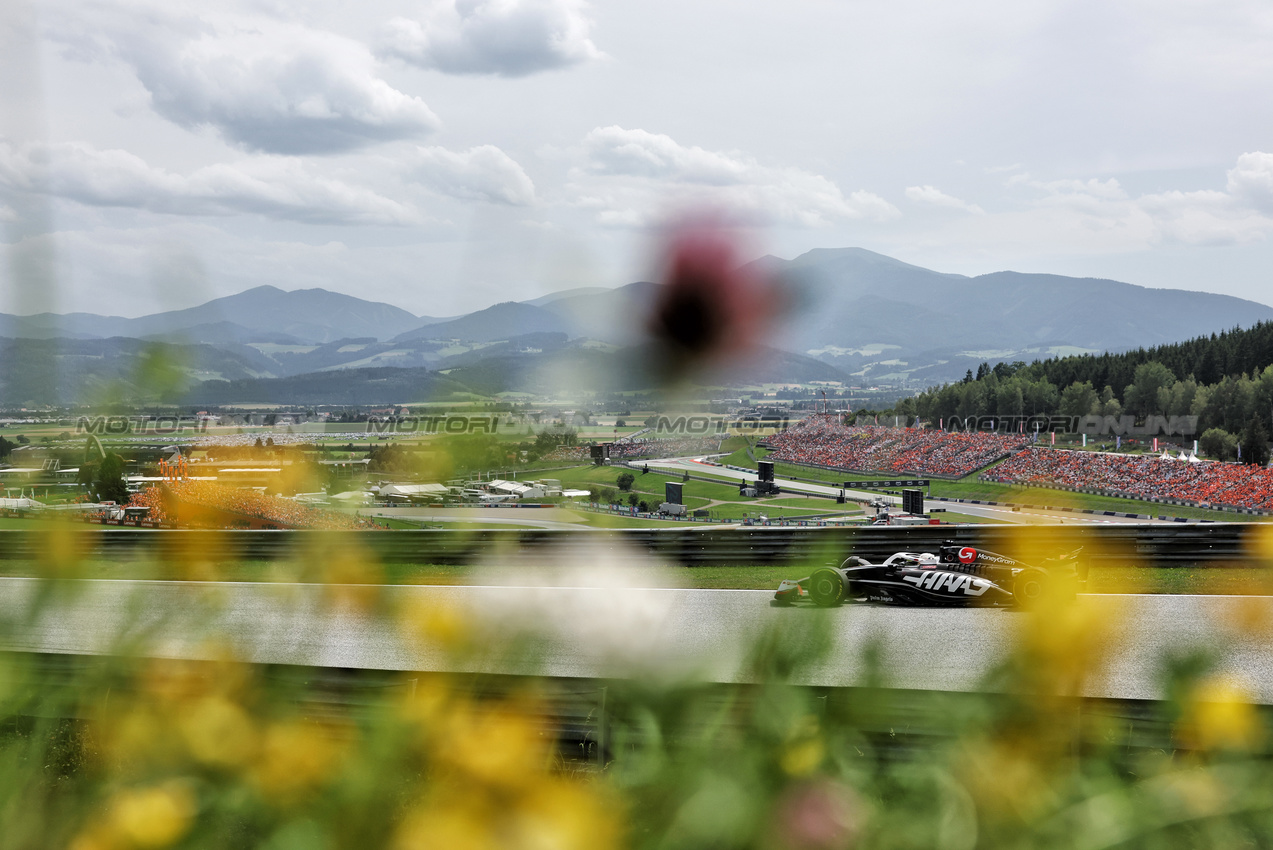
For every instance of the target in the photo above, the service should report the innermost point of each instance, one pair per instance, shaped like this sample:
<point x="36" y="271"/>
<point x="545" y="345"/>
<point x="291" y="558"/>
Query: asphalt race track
<point x="604" y="632"/>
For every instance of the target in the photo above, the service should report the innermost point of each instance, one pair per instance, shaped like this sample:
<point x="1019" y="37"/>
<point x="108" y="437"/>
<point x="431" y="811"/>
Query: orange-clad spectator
<point x="1142" y="476"/>
<point x="822" y="440"/>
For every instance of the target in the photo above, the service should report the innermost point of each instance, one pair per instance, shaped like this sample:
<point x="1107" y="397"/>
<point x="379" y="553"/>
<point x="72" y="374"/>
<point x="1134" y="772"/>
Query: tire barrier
<point x="1132" y="544"/>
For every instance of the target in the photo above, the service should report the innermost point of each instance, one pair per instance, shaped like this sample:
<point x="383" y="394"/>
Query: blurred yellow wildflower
<point x="1005" y="778"/>
<point x="455" y="826"/>
<point x="425" y="699"/>
<point x="566" y="814"/>
<point x="424" y="621"/>
<point x="1219" y="714"/>
<point x="499" y="746"/>
<point x="1249" y="616"/>
<point x="152" y="817"/>
<point x="548" y="812"/>
<point x="219" y="732"/>
<point x="195" y="555"/>
<point x="1065" y="645"/>
<point x="351" y="575"/>
<point x="1197" y="792"/>
<point x="170" y="680"/>
<point x="295" y="757"/>
<point x="1259" y="543"/>
<point x="134" y="736"/>
<point x="804" y="749"/>
<point x="63" y="547"/>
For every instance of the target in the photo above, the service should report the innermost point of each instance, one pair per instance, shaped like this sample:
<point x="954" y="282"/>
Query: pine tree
<point x="1255" y="443"/>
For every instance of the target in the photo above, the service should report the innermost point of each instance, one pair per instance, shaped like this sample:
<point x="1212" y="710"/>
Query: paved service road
<point x="612" y="631"/>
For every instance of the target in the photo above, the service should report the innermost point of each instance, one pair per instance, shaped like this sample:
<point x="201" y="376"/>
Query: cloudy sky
<point x="447" y="155"/>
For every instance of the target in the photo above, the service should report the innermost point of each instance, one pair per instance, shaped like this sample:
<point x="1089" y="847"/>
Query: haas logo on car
<point x="948" y="582"/>
<point x="967" y="555"/>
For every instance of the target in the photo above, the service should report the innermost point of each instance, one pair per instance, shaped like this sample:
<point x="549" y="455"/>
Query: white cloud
<point x="1094" y="216"/>
<point x="263" y="84"/>
<point x="628" y="174"/>
<point x="1202" y="217"/>
<point x="275" y="187"/>
<point x="483" y="173"/>
<point x="638" y="153"/>
<point x="511" y="38"/>
<point x="933" y="196"/>
<point x="1071" y="189"/>
<point x="1251" y="179"/>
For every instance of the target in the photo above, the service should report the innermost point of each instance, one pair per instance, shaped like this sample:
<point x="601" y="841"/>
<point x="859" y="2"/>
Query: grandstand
<point x="821" y="440"/>
<point x="1157" y="477"/>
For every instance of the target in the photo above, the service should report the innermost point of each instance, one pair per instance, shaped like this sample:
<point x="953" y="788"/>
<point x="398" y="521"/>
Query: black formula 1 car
<point x="956" y="576"/>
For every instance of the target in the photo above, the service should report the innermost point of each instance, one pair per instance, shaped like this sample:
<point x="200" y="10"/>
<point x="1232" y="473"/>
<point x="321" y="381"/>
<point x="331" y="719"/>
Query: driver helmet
<point x="928" y="561"/>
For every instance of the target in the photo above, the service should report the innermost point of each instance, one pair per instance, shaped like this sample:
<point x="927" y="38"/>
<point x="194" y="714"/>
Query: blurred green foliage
<point x="130" y="750"/>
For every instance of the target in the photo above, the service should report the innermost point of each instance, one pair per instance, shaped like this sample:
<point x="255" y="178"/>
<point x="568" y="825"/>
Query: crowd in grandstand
<point x="1142" y="476"/>
<point x="822" y="440"/>
<point x="277" y="510"/>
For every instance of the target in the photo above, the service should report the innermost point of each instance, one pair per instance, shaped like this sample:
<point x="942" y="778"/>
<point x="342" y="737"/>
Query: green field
<point x="721" y="500"/>
<point x="651" y="484"/>
<point x="26" y="522"/>
<point x="811" y="502"/>
<point x="1102" y="579"/>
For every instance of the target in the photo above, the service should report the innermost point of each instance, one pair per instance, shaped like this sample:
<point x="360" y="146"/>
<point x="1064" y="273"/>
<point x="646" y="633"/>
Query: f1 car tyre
<point x="1032" y="586"/>
<point x="827" y="587"/>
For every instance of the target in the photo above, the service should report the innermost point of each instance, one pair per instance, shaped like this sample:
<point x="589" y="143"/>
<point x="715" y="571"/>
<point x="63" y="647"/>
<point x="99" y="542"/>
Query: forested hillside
<point x="1225" y="379"/>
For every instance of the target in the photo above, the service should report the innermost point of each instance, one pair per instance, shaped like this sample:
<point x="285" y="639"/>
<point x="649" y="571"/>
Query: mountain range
<point x="854" y="315"/>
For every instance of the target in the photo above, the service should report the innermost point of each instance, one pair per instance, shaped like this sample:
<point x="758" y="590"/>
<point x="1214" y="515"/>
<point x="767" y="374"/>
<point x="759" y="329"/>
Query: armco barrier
<point x="1130" y="544"/>
<point x="1065" y="509"/>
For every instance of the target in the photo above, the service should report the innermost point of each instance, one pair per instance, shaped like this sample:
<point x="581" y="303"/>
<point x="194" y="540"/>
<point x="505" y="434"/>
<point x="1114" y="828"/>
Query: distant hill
<point x="611" y="315"/>
<point x="306" y="315"/>
<point x="545" y="300"/>
<point x="351" y="387"/>
<point x="314" y="315"/>
<point x="850" y="300"/>
<point x="61" y="371"/>
<point x="553" y="367"/>
<point x="616" y="370"/>
<point x="501" y="321"/>
<point x="869" y="318"/>
<point x="226" y="333"/>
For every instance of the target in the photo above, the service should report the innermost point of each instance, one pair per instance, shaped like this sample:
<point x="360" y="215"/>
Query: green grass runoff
<point x="721" y="500"/>
<point x="1102" y="579"/>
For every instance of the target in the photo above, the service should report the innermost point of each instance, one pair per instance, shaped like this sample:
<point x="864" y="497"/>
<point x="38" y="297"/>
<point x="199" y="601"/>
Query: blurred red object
<point x="711" y="307"/>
